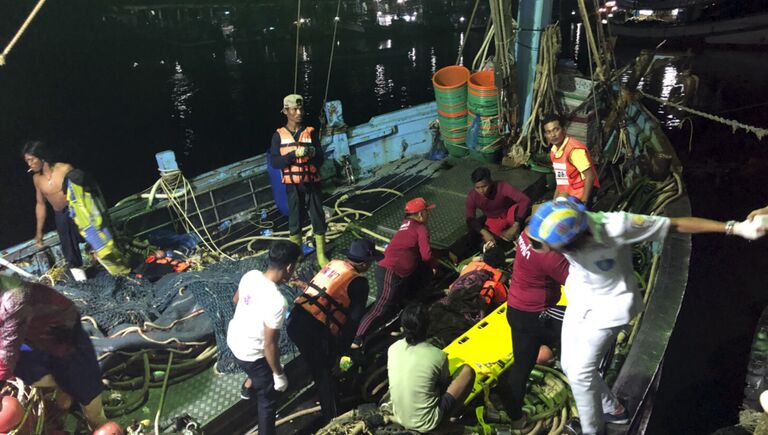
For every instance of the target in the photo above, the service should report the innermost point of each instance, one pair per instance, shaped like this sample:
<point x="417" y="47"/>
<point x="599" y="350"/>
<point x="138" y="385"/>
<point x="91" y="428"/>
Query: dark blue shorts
<point x="78" y="375"/>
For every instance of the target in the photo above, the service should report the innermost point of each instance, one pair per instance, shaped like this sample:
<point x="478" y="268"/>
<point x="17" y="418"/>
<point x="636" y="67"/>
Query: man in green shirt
<point x="423" y="394"/>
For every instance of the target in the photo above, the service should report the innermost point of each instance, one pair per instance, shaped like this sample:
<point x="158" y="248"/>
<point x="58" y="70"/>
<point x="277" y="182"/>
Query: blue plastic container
<point x="278" y="188"/>
<point x="166" y="161"/>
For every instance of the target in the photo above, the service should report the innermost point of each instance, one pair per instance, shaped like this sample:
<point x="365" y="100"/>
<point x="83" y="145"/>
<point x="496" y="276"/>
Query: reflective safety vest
<point x="567" y="176"/>
<point x="300" y="170"/>
<point x="326" y="297"/>
<point x="493" y="290"/>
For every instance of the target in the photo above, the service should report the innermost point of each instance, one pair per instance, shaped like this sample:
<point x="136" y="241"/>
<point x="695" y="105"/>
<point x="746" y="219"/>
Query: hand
<point x="301" y="151"/>
<point x="750" y="230"/>
<point x="511" y="233"/>
<point x="489" y="245"/>
<point x="487" y="236"/>
<point x="759" y="211"/>
<point x="281" y="381"/>
<point x="39" y="241"/>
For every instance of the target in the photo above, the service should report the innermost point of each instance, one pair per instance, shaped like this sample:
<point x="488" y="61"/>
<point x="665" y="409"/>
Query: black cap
<point x="363" y="250"/>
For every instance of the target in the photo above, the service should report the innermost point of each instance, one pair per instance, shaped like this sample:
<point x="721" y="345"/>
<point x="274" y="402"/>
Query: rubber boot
<point x="296" y="239"/>
<point x="320" y="249"/>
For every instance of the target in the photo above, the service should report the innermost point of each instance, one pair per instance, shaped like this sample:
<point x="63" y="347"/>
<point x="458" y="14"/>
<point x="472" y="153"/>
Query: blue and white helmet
<point x="558" y="222"/>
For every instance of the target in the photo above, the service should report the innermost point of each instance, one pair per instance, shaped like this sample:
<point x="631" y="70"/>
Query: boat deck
<point x="213" y="399"/>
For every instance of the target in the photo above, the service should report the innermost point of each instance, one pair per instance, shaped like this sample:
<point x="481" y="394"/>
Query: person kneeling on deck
<point x="575" y="173"/>
<point x="325" y="317"/>
<point x="602" y="292"/>
<point x="484" y="272"/>
<point x="504" y="208"/>
<point x="534" y="289"/>
<point x="420" y="386"/>
<point x="296" y="151"/>
<point x="407" y="266"/>
<point x="253" y="334"/>
<point x="43" y="343"/>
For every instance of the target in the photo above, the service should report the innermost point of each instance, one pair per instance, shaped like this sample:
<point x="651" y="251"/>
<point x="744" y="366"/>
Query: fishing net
<point x="117" y="302"/>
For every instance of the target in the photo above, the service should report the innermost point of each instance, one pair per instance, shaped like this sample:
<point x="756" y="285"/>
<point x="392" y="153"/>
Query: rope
<point x="336" y="20"/>
<point x="735" y="125"/>
<point x="296" y="62"/>
<point x="21" y="31"/>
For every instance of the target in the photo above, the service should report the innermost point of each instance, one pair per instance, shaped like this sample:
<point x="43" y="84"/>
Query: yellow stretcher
<point x="487" y="348"/>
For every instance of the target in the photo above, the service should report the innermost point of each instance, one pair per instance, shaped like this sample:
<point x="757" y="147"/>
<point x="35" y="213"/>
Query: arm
<point x="589" y="183"/>
<point x="319" y="156"/>
<point x="758" y="212"/>
<point x="519" y="198"/>
<point x="278" y="161"/>
<point x="473" y="223"/>
<point x="40" y="214"/>
<point x="13" y="329"/>
<point x="424" y="248"/>
<point x="272" y="349"/>
<point x="358" y="296"/>
<point x="694" y="225"/>
<point x="236" y="297"/>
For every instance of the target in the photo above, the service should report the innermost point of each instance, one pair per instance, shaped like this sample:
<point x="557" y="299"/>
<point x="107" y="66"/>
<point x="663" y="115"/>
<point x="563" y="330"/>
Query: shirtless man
<point x="48" y="178"/>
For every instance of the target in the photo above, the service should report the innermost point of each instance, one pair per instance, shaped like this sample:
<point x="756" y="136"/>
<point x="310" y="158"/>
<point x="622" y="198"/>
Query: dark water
<point x="108" y="96"/>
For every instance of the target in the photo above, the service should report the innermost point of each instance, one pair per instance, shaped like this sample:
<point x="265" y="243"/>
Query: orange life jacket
<point x="326" y="297"/>
<point x="567" y="176"/>
<point x="493" y="291"/>
<point x="301" y="170"/>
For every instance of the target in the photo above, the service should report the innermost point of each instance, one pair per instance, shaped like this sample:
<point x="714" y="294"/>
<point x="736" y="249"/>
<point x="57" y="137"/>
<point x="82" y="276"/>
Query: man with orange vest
<point x="325" y="317"/>
<point x="493" y="290"/>
<point x="296" y="151"/>
<point x="575" y="173"/>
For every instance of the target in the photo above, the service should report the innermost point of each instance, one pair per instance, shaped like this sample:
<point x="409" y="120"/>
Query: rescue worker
<point x="534" y="290"/>
<point x="296" y="151"/>
<point x="575" y="173"/>
<point x="602" y="292"/>
<point x="423" y="394"/>
<point x="504" y="208"/>
<point x="43" y="343"/>
<point x="492" y="289"/>
<point x="253" y="334"/>
<point x="325" y="317"/>
<point x="408" y="264"/>
<point x="79" y="210"/>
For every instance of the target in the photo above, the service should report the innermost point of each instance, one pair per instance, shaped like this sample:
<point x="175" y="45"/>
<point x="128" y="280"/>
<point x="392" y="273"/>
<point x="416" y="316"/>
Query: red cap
<point x="416" y="205"/>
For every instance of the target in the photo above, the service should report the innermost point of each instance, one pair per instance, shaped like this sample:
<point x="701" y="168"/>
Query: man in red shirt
<point x="504" y="208"/>
<point x="534" y="289"/>
<point x="43" y="343"/>
<point x="408" y="264"/>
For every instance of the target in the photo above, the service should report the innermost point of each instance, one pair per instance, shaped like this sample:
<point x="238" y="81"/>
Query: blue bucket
<point x="278" y="188"/>
<point x="166" y="161"/>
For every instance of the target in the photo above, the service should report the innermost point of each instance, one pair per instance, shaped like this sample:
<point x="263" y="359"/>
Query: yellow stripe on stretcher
<point x="563" y="302"/>
<point x="486" y="347"/>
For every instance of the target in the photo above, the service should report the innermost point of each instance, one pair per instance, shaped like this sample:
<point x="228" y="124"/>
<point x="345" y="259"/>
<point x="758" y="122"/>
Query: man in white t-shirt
<point x="254" y="331"/>
<point x="602" y="293"/>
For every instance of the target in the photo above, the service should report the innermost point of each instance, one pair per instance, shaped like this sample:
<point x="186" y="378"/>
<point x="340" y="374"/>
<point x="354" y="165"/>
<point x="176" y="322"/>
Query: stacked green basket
<point x="483" y="102"/>
<point x="450" y="84"/>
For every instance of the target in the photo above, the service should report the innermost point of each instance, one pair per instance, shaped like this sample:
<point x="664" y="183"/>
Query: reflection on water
<point x="181" y="94"/>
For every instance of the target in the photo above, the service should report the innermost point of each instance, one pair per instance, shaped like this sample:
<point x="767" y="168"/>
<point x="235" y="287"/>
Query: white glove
<point x="749" y="230"/>
<point x="301" y="151"/>
<point x="281" y="382"/>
